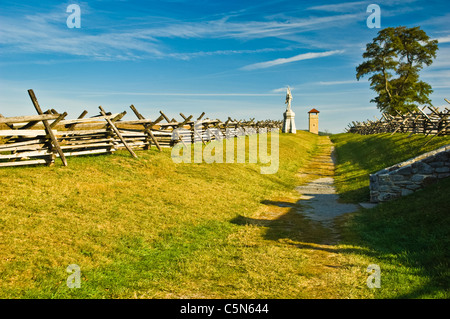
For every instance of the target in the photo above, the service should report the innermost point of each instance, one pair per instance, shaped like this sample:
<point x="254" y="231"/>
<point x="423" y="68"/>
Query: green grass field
<point x="142" y="227"/>
<point x="150" y="228"/>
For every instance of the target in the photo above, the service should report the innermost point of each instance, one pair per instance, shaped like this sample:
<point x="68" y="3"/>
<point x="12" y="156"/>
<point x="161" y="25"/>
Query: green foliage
<point x="394" y="60"/>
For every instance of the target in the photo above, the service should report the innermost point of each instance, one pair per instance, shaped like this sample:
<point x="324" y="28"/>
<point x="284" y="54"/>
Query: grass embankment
<point x="361" y="155"/>
<point x="150" y="228"/>
<point x="408" y="237"/>
<point x="147" y="227"/>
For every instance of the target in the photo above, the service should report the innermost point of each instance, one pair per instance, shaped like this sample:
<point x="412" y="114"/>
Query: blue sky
<point x="226" y="58"/>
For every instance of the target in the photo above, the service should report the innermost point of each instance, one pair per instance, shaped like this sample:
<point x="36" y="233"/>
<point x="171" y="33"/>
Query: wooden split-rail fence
<point x="41" y="138"/>
<point x="435" y="122"/>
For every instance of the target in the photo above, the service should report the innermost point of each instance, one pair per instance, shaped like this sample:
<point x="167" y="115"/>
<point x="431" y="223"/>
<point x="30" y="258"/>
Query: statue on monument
<point x="288" y="99"/>
<point x="288" y="123"/>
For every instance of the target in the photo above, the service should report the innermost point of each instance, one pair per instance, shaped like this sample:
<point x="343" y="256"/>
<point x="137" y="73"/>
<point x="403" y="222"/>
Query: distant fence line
<point x="436" y="122"/>
<point x="106" y="133"/>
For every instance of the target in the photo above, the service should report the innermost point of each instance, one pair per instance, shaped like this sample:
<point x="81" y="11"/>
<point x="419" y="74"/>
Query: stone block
<point x="443" y="156"/>
<point x="412" y="186"/>
<point x="423" y="168"/>
<point x="396" y="189"/>
<point x="397" y="178"/>
<point x="418" y="178"/>
<point x="404" y="183"/>
<point x="442" y="169"/>
<point x="387" y="196"/>
<point x="384" y="188"/>
<point x="437" y="164"/>
<point x="406" y="170"/>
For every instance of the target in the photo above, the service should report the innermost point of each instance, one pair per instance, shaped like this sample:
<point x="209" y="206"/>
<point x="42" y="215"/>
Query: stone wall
<point x="406" y="177"/>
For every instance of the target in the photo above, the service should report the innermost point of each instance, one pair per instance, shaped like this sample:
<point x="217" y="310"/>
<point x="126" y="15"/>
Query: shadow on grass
<point x="358" y="195"/>
<point x="294" y="227"/>
<point x="410" y="236"/>
<point x="407" y="237"/>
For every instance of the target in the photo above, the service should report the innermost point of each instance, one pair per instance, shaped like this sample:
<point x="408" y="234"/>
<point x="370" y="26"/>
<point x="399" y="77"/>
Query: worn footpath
<point x="319" y="200"/>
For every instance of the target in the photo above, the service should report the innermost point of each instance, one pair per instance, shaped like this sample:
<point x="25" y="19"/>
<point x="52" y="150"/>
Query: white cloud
<point x="224" y="28"/>
<point x="433" y="74"/>
<point x="202" y="94"/>
<point x="282" y="89"/>
<point x="46" y="33"/>
<point x="190" y="55"/>
<point x="43" y="35"/>
<point x="441" y="60"/>
<point x="356" y="5"/>
<point x="445" y="39"/>
<point x="337" y="82"/>
<point x="340" y="7"/>
<point x="300" y="57"/>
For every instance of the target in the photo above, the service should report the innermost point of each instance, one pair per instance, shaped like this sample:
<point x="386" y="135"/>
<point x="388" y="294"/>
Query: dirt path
<point x="319" y="200"/>
<point x="310" y="217"/>
<point x="305" y="223"/>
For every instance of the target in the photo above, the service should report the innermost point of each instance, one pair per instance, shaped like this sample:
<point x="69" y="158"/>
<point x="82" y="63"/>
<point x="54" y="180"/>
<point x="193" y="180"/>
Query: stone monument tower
<point x="314" y="121"/>
<point x="288" y="122"/>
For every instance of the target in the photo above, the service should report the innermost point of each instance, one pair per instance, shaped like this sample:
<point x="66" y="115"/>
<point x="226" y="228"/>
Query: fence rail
<point x="40" y="139"/>
<point x="436" y="122"/>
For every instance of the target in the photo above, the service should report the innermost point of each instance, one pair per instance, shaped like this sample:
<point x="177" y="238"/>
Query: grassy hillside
<point x="408" y="237"/>
<point x="150" y="228"/>
<point x="145" y="227"/>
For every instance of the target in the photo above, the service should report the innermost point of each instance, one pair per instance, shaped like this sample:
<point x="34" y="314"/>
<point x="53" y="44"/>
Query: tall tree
<point x="394" y="60"/>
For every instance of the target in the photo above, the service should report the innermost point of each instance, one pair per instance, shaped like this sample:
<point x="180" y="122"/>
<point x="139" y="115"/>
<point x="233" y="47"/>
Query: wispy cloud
<point x="198" y="94"/>
<point x="46" y="33"/>
<point x="340" y="7"/>
<point x="282" y="89"/>
<point x="441" y="62"/>
<point x="445" y="39"/>
<point x="300" y="57"/>
<point x="300" y="87"/>
<point x="337" y="82"/>
<point x="191" y="55"/>
<point x="437" y="74"/>
<point x="356" y="5"/>
<point x="225" y="28"/>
